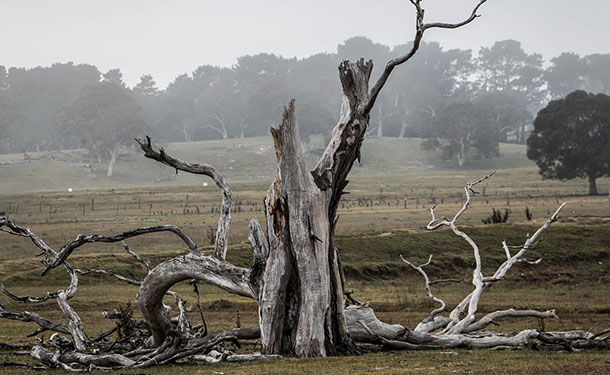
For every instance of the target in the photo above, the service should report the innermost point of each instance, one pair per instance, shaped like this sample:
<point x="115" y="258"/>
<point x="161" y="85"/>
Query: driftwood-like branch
<point x="222" y="233"/>
<point x="75" y="325"/>
<point x="86" y="360"/>
<point x="454" y="325"/>
<point x="195" y="284"/>
<point x="136" y="256"/>
<point x="82" y="239"/>
<point x="112" y="274"/>
<point x="420" y="28"/>
<point x="47" y="251"/>
<point x="497" y="315"/>
<point x="503" y="269"/>
<point x="161" y="278"/>
<point x="29" y="299"/>
<point x="260" y="249"/>
<point x="447" y="341"/>
<point x="27" y="316"/>
<point x="364" y="326"/>
<point x="434" y="313"/>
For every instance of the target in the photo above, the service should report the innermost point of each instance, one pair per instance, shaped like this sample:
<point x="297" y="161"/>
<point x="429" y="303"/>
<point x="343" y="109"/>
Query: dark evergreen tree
<point x="571" y="137"/>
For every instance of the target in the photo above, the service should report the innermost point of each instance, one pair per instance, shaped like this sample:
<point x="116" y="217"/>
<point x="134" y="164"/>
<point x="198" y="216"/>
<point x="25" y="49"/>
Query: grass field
<point x="382" y="218"/>
<point x="245" y="160"/>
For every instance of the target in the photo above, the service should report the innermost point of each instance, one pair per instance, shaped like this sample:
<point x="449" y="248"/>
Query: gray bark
<point x="191" y="266"/>
<point x="114" y="153"/>
<point x="301" y="302"/>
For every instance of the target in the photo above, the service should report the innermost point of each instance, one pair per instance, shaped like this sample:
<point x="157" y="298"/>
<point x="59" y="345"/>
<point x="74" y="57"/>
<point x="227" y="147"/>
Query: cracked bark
<point x="301" y="302"/>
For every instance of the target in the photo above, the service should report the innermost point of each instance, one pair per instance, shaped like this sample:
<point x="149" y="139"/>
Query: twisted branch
<point x="222" y="233"/>
<point x="420" y="28"/>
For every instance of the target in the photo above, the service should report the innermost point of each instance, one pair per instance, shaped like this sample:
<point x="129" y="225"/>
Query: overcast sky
<point x="166" y="38"/>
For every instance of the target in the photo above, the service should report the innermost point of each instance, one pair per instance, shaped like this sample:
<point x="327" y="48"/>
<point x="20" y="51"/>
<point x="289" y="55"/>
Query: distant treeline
<point x="454" y="99"/>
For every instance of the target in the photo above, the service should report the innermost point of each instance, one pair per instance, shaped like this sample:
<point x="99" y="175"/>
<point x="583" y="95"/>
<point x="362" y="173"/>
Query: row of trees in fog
<point x="456" y="100"/>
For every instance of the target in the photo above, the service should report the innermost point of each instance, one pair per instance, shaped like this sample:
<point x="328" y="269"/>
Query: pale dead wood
<point x="75" y="325"/>
<point x="82" y="239"/>
<point x="443" y="306"/>
<point x="497" y="315"/>
<point x="364" y="326"/>
<point x="27" y="316"/>
<point x="504" y="267"/>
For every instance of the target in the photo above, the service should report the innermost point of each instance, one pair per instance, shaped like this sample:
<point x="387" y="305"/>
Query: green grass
<point x="248" y="159"/>
<point x="526" y="362"/>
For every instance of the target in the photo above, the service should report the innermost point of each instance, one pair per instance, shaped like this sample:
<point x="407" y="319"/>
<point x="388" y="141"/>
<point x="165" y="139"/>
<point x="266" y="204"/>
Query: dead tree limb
<point x="222" y="232"/>
<point x="27" y="316"/>
<point x="497" y="315"/>
<point x="499" y="274"/>
<point x="420" y="28"/>
<point x="421" y="271"/>
<point x="83" y="239"/>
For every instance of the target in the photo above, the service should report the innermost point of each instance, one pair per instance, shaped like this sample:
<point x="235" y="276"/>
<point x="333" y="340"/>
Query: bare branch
<point x="420" y="28"/>
<point x="48" y="252"/>
<point x="27" y="316"/>
<point x="82" y="239"/>
<point x="224" y="221"/>
<point x="108" y="273"/>
<point x="138" y="258"/>
<point x="29" y="299"/>
<point x="442" y="25"/>
<point x="492" y="317"/>
<point x="183" y="323"/>
<point x="421" y="271"/>
<point x="432" y="282"/>
<point x="196" y="290"/>
<point x="504" y="267"/>
<point x="75" y="325"/>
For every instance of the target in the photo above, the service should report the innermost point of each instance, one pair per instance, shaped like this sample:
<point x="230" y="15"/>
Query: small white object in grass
<point x="205" y="184"/>
<point x="69" y="190"/>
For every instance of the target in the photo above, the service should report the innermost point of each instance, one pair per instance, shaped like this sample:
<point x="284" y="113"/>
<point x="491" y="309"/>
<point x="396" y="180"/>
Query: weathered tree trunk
<point x="113" y="155"/>
<point x="461" y="155"/>
<point x="592" y="185"/>
<point x="301" y="302"/>
<point x="380" y="122"/>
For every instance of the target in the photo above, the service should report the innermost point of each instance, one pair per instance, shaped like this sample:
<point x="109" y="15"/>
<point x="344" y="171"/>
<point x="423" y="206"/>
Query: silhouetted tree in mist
<point x="571" y="137"/>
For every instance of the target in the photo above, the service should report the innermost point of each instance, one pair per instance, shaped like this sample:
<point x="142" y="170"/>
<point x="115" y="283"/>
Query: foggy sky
<point x="168" y="38"/>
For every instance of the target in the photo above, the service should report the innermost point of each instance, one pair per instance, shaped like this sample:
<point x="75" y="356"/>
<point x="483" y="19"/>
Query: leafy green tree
<point x="597" y="77"/>
<point x="146" y="87"/>
<point x="179" y="121"/>
<point x="416" y="95"/>
<point x="10" y="119"/>
<point x="3" y="78"/>
<point x="571" y="137"/>
<point x="460" y="126"/>
<point x="569" y="72"/>
<point x="106" y="117"/>
<point x="508" y="113"/>
<point x="114" y="76"/>
<point x="505" y="66"/>
<point x="566" y="73"/>
<point x="220" y="108"/>
<point x="40" y="94"/>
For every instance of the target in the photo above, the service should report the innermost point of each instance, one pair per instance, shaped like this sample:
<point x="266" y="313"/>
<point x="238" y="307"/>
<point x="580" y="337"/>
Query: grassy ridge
<point x="248" y="159"/>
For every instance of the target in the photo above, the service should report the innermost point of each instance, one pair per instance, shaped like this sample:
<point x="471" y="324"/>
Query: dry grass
<point x="374" y="229"/>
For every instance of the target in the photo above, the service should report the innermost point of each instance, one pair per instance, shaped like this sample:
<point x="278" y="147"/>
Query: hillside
<point x="249" y="159"/>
